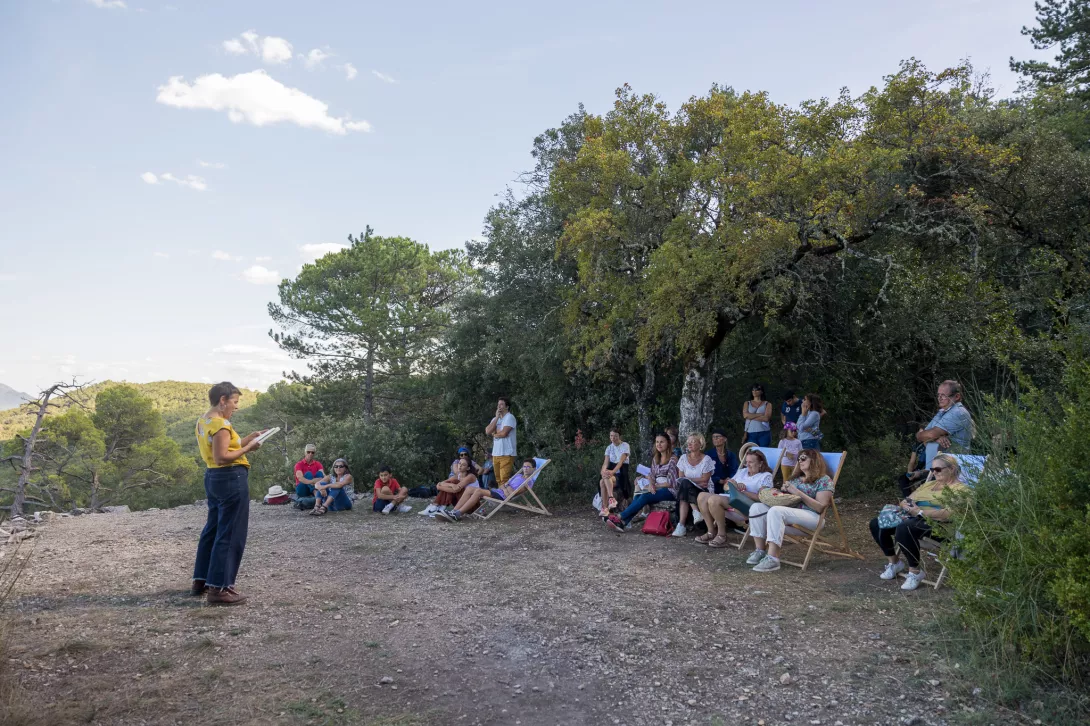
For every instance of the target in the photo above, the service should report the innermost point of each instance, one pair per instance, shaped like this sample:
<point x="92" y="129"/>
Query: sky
<point x="165" y="165"/>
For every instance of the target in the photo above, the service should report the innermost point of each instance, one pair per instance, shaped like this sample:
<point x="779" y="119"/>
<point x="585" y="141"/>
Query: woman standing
<point x="757" y="412"/>
<point x="614" y="472"/>
<point x="694" y="477"/>
<point x="227" y="488"/>
<point x="810" y="422"/>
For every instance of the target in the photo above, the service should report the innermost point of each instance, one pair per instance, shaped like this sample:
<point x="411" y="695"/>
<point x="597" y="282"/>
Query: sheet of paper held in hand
<point x="267" y="435"/>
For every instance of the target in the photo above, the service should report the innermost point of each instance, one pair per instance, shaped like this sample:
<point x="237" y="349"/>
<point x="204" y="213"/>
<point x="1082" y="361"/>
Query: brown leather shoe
<point x="198" y="588"/>
<point x="224" y="596"/>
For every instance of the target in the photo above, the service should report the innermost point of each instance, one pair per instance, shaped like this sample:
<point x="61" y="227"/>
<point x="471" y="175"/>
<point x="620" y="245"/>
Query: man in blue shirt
<point x="951" y="428"/>
<point x="790" y="409"/>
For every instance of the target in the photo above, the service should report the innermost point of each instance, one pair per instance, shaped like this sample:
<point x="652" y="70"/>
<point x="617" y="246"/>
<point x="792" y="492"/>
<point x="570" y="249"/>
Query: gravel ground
<point x="358" y="618"/>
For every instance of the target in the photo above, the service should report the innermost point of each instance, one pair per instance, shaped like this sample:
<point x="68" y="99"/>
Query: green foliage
<point x="1063" y="23"/>
<point x="1022" y="573"/>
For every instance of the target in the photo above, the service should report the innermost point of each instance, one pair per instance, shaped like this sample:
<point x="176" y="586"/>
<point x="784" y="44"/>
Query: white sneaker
<point x="756" y="557"/>
<point x="913" y="580"/>
<point x="679" y="530"/>
<point x="404" y="509"/>
<point x="388" y="508"/>
<point x="892" y="568"/>
<point x="697" y="517"/>
<point x="768" y="564"/>
<point x="429" y="510"/>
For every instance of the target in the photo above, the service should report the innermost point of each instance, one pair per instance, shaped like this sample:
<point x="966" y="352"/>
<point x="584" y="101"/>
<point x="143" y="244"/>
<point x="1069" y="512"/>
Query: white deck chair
<point x="519" y="499"/>
<point x="971" y="467"/>
<point x="812" y="539"/>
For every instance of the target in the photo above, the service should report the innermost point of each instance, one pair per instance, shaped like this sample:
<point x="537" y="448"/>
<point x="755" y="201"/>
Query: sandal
<point x="720" y="541"/>
<point x="705" y="538"/>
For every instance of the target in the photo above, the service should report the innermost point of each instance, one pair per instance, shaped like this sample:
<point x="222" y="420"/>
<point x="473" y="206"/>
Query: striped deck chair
<point x="523" y="498"/>
<point x="813" y="539"/>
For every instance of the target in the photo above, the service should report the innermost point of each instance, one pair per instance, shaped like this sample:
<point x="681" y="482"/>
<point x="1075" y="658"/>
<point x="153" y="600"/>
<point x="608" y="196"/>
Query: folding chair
<point x="812" y="539"/>
<point x="971" y="467"/>
<point x="524" y="494"/>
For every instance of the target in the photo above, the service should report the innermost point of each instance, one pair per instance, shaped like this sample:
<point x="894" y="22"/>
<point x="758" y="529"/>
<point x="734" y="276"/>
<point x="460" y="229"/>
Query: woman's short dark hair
<point x="719" y="432"/>
<point x="758" y="387"/>
<point x="218" y="391"/>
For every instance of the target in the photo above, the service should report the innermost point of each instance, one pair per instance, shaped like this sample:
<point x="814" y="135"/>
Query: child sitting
<point x="791" y="445"/>
<point x="389" y="495"/>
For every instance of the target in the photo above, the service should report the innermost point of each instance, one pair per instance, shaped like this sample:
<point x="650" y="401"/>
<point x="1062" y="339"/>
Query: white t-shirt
<point x="689" y="471"/>
<point x="614" y="452"/>
<point x="505" y="446"/>
<point x="752" y="484"/>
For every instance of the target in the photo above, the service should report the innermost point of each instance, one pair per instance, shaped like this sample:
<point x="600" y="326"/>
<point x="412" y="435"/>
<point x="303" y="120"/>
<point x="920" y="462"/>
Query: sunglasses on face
<point x="338" y="466"/>
<point x="937" y="469"/>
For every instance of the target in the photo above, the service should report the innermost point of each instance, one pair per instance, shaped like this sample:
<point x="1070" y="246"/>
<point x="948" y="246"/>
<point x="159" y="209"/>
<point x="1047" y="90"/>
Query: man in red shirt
<point x="307" y="471"/>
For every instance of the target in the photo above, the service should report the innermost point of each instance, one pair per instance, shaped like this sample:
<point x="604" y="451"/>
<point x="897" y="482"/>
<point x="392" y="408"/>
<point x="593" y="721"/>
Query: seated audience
<point x="329" y="491"/>
<point x="662" y="481"/>
<point x="811" y="481"/>
<point x="756" y="413"/>
<point x="450" y="489"/>
<point x="389" y="495"/>
<point x="725" y="460"/>
<point x="791" y="446"/>
<point x="614" y="474"/>
<point x="748" y="480"/>
<point x="809" y="424"/>
<point x="671" y="431"/>
<point x="694" y="476"/>
<point x="307" y="470"/>
<point x="951" y="428"/>
<point x="464" y="453"/>
<point x="920" y="515"/>
<point x="472" y="495"/>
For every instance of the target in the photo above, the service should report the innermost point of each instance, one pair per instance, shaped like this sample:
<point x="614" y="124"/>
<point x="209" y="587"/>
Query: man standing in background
<point x="790" y="409"/>
<point x="307" y="471"/>
<point x="504" y="446"/>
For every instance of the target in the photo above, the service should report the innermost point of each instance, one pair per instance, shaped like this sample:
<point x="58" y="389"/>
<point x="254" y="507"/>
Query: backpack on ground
<point x="657" y="522"/>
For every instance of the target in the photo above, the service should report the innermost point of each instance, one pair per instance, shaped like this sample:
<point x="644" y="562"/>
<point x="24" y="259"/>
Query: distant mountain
<point x="10" y="398"/>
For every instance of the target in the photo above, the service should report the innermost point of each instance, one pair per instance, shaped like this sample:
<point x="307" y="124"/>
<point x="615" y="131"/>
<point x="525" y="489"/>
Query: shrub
<point x="1023" y="577"/>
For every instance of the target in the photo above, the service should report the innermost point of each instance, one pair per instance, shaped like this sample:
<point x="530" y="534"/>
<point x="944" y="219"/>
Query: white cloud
<point x="111" y="4"/>
<point x="164" y="255"/>
<point x="314" y="59"/>
<point x="149" y="178"/>
<point x="350" y="71"/>
<point x="259" y="275"/>
<point x="257" y="98"/>
<point x="383" y="77"/>
<point x="212" y="164"/>
<point x="234" y="46"/>
<point x="225" y="256"/>
<point x="193" y="182"/>
<point x="275" y="50"/>
<point x="312" y="252"/>
<point x="262" y="259"/>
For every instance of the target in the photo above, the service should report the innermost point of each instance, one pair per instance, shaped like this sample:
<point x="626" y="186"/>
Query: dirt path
<point x="521" y="620"/>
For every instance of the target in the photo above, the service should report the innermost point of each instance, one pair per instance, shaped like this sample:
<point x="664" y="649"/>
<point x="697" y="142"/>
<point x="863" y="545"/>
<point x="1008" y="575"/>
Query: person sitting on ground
<point x="614" y="474"/>
<point x="450" y="489"/>
<point x="756" y="413"/>
<point x="811" y="481"/>
<point x="725" y="460"/>
<point x="791" y="447"/>
<point x="464" y="453"/>
<point x="920" y="516"/>
<point x="951" y="428"/>
<point x="329" y="491"/>
<point x="748" y="480"/>
<point x="694" y="476"/>
<point x="389" y="495"/>
<point x="472" y="495"/>
<point x="307" y="470"/>
<point x="809" y="424"/>
<point x="662" y="481"/>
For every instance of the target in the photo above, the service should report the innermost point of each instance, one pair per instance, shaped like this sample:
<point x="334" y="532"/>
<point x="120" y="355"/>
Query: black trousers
<point x="906" y="535"/>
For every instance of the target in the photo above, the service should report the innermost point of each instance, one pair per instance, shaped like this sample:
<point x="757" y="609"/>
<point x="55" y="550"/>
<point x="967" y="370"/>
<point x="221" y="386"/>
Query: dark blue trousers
<point x="219" y="551"/>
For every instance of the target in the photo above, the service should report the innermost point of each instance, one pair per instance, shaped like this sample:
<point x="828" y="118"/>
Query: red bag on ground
<point x="657" y="523"/>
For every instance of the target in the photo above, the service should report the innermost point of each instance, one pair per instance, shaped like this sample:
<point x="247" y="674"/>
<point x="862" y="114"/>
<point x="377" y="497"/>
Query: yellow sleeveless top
<point x="206" y="429"/>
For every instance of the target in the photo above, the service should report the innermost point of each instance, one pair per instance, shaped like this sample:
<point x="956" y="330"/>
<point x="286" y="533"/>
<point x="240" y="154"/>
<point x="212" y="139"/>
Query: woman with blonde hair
<point x="694" y="471"/>
<point x="811" y="481"/>
<point x="916" y="517"/>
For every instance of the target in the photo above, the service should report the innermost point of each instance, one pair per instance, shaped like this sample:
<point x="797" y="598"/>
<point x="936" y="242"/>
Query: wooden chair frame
<point x="812" y="539"/>
<point x="524" y="493"/>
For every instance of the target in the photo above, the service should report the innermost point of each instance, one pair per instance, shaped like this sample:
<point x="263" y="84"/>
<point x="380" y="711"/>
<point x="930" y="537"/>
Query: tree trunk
<point x="95" y="482"/>
<point x="26" y="467"/>
<point x="643" y="413"/>
<point x="369" y="385"/>
<point x="697" y="393"/>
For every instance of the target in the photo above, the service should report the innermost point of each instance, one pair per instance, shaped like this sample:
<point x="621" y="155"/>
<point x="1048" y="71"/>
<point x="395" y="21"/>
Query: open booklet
<point x="267" y="435"/>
